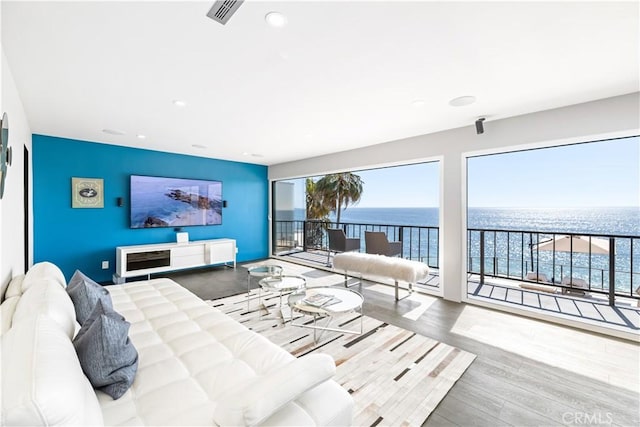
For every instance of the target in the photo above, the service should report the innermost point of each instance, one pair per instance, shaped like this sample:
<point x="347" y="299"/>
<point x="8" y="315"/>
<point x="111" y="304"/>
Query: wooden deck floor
<point x="589" y="309"/>
<point x="528" y="372"/>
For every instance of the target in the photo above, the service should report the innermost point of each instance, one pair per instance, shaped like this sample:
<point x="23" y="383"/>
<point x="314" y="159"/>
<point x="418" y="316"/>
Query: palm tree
<point x="340" y="190"/>
<point x="316" y="206"/>
<point x="318" y="211"/>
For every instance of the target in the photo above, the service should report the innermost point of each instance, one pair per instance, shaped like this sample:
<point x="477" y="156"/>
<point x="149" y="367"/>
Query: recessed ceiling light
<point x="276" y="19"/>
<point x="179" y="103"/>
<point x="462" y="101"/>
<point x="140" y="136"/>
<point x="245" y="153"/>
<point x="418" y="103"/>
<point x="198" y="146"/>
<point x="113" y="132"/>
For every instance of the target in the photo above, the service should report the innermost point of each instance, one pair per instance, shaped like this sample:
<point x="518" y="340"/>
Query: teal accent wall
<point x="83" y="238"/>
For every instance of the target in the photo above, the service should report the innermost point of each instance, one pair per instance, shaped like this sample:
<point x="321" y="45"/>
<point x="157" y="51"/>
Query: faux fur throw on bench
<point x="380" y="265"/>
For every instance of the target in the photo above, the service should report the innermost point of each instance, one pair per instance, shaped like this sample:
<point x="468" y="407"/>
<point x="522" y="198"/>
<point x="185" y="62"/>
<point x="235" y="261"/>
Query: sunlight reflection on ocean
<point x="618" y="221"/>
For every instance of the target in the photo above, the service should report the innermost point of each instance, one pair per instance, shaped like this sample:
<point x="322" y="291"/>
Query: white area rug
<point x="396" y="377"/>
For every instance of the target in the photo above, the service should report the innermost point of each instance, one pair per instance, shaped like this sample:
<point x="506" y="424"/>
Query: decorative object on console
<point x="107" y="356"/>
<point x="85" y="294"/>
<point x="182" y="237"/>
<point x="174" y="202"/>
<point x="87" y="193"/>
<point x="5" y="152"/>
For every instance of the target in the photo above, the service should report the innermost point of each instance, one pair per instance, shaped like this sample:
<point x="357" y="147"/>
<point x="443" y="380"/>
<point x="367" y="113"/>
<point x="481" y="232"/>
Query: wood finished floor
<point x="500" y="388"/>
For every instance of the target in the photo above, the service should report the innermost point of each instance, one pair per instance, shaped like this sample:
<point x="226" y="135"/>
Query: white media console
<point x="142" y="260"/>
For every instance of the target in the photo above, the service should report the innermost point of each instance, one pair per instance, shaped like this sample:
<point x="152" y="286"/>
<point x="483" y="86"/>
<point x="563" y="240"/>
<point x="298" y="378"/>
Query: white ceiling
<point x="340" y="75"/>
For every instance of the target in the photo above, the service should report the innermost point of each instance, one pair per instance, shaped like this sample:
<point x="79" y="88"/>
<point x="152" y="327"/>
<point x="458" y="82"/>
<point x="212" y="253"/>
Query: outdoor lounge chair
<point x="576" y="285"/>
<point x="376" y="243"/>
<point x="539" y="277"/>
<point x="339" y="242"/>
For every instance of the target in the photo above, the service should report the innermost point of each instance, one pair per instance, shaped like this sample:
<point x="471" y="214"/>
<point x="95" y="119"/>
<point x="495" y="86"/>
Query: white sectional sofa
<point x="196" y="365"/>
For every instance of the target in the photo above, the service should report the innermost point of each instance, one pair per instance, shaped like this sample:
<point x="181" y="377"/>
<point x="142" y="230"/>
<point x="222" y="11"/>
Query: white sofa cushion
<point x="191" y="356"/>
<point x="7" y="308"/>
<point x="46" y="296"/>
<point x="256" y="400"/>
<point x="42" y="382"/>
<point x="14" y="289"/>
<point x="43" y="270"/>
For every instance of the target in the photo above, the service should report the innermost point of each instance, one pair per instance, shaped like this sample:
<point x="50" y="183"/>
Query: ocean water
<point x="509" y="254"/>
<point x="623" y="221"/>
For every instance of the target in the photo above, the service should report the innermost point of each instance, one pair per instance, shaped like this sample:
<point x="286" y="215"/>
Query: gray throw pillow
<point x="107" y="356"/>
<point x="84" y="293"/>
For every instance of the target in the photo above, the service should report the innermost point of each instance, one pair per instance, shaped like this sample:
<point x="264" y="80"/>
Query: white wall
<point x="606" y="118"/>
<point x="12" y="204"/>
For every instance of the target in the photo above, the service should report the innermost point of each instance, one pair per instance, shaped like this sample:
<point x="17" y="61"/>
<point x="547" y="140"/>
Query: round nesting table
<point x="261" y="271"/>
<point x="281" y="284"/>
<point x="326" y="303"/>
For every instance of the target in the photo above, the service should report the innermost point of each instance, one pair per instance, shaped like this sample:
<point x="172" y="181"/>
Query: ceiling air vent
<point x="222" y="10"/>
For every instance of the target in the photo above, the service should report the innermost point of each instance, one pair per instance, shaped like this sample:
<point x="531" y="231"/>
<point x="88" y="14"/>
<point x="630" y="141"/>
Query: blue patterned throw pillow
<point x="107" y="356"/>
<point x="84" y="293"/>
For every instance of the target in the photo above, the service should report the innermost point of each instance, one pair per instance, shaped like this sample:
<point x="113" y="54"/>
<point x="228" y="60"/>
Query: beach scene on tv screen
<point x="174" y="202"/>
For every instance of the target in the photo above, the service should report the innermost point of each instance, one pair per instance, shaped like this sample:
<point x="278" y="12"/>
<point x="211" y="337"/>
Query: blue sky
<point x="598" y="174"/>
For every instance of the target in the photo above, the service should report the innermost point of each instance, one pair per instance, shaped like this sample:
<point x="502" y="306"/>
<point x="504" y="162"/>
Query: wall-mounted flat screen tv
<point x="174" y="202"/>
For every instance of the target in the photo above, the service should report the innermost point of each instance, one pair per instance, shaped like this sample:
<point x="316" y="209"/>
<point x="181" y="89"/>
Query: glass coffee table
<point x="280" y="285"/>
<point x="261" y="271"/>
<point x="326" y="303"/>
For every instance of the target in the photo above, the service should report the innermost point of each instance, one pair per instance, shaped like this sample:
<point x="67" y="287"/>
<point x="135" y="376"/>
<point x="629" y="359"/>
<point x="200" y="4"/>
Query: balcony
<point x="535" y="271"/>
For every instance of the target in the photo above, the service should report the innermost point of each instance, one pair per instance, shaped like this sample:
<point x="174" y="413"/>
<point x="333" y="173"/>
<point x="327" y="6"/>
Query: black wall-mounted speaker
<point x="224" y="203"/>
<point x="479" y="126"/>
<point x="119" y="202"/>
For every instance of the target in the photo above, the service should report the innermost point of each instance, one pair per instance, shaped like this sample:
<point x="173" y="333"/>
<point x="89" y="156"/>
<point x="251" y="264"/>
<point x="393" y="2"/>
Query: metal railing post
<point x="304" y="235"/>
<point x="482" y="257"/>
<point x="612" y="272"/>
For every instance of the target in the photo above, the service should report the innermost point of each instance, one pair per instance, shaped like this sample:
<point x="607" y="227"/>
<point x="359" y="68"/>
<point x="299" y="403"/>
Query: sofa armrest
<point x="261" y="398"/>
<point x="42" y="381"/>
